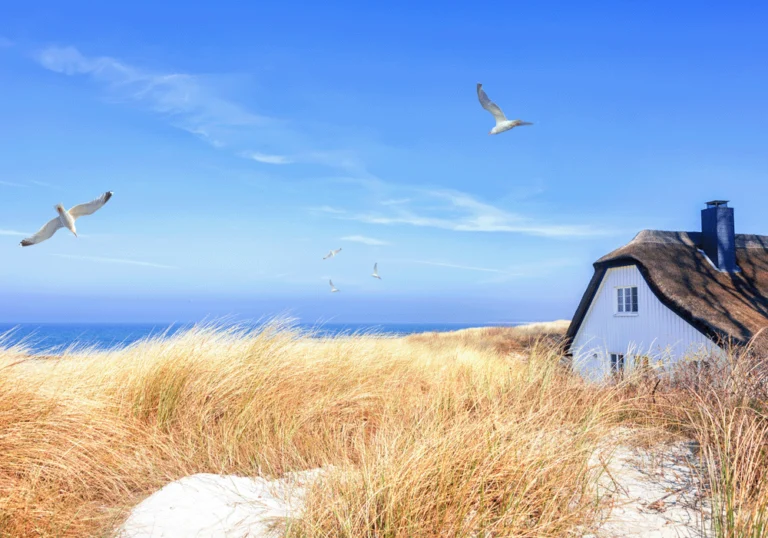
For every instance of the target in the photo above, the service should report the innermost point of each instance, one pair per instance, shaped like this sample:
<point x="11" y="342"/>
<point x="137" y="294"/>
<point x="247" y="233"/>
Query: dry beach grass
<point x="479" y="432"/>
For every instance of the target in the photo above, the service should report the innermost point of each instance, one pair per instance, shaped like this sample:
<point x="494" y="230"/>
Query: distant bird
<point x="502" y="123"/>
<point x="332" y="253"/>
<point x="376" y="271"/>
<point x="333" y="288"/>
<point x="66" y="219"/>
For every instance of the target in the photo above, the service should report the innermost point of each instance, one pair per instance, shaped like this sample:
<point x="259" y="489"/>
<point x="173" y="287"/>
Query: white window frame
<point x="623" y="291"/>
<point x="621" y="364"/>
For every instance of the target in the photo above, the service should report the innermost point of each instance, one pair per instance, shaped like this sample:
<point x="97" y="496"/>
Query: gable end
<point x="626" y="261"/>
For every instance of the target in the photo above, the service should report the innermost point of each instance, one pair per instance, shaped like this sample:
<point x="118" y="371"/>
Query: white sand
<point x="208" y="505"/>
<point x="654" y="494"/>
<point x="561" y="325"/>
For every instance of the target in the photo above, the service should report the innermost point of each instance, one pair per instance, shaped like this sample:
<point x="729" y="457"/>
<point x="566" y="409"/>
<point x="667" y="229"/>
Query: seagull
<point x="376" y="271"/>
<point x="333" y="288"/>
<point x="66" y="219"/>
<point x="502" y="123"/>
<point x="332" y="253"/>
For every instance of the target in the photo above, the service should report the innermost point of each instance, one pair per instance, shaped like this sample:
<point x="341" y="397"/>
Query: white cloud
<point x="265" y="158"/>
<point x="44" y="184"/>
<point x="13" y="233"/>
<point x="195" y="103"/>
<point x="114" y="260"/>
<point x="364" y="240"/>
<point x="11" y="184"/>
<point x="480" y="223"/>
<point x="187" y="99"/>
<point x="455" y="266"/>
<point x="462" y="212"/>
<point x="328" y="209"/>
<point x="173" y="93"/>
<point x="539" y="268"/>
<point x="398" y="201"/>
<point x="535" y="269"/>
<point x="344" y="159"/>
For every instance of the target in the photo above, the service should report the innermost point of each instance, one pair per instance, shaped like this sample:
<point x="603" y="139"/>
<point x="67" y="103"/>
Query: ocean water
<point x="52" y="337"/>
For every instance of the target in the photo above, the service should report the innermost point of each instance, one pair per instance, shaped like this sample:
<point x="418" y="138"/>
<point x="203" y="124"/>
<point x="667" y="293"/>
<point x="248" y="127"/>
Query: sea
<point x="55" y="337"/>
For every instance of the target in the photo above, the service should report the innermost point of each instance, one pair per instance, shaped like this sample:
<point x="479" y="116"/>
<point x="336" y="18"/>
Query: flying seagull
<point x="332" y="253"/>
<point x="66" y="219"/>
<point x="333" y="288"/>
<point x="376" y="271"/>
<point x="502" y="123"/>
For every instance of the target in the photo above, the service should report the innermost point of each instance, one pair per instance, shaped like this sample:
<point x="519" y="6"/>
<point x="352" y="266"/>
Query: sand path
<point x="653" y="493"/>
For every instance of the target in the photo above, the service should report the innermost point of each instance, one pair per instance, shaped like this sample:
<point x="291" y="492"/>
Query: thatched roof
<point x="721" y="305"/>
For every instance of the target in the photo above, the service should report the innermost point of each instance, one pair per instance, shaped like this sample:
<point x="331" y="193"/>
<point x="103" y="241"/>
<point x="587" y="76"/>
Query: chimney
<point x="718" y="235"/>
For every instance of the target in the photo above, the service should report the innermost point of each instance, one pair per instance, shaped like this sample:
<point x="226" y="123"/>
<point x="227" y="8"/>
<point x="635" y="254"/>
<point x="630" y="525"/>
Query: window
<point x="617" y="364"/>
<point x="627" y="300"/>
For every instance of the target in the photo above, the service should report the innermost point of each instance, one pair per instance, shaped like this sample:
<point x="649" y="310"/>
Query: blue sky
<point x="243" y="142"/>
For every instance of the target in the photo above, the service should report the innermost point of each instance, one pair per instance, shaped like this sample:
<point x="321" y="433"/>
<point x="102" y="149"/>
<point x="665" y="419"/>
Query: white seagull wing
<point x="46" y="232"/>
<point x="489" y="105"/>
<point x="91" y="207"/>
<point x="376" y="268"/>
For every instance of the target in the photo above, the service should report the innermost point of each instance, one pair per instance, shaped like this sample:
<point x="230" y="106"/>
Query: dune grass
<point x="724" y="407"/>
<point x="473" y="433"/>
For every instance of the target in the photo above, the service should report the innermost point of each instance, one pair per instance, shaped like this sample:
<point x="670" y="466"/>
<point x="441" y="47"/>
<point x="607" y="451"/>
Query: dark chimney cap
<point x="717" y="203"/>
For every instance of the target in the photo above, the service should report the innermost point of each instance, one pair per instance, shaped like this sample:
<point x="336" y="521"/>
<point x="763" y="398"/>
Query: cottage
<point x="668" y="295"/>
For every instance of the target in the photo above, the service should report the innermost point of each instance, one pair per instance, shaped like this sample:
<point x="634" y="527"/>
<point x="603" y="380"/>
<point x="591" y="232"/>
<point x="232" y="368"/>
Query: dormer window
<point x="626" y="300"/>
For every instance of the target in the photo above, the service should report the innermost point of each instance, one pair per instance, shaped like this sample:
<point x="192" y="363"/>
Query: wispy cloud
<point x="458" y="211"/>
<point x="266" y="158"/>
<point x="44" y="184"/>
<point x="539" y="268"/>
<point x="455" y="266"/>
<point x="121" y="261"/>
<point x="481" y="224"/>
<point x="13" y="233"/>
<point x="185" y="98"/>
<point x="328" y="209"/>
<point x="196" y="104"/>
<point x="365" y="240"/>
<point x="397" y="201"/>
<point x="4" y="183"/>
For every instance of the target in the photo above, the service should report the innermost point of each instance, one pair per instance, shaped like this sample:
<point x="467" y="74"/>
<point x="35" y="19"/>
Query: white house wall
<point x="655" y="331"/>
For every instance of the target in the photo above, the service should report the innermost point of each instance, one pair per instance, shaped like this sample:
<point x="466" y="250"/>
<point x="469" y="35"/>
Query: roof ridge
<point x="693" y="239"/>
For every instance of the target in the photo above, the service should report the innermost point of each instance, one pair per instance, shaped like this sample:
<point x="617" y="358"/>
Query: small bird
<point x="376" y="271"/>
<point x="333" y="288"/>
<point x="502" y="123"/>
<point x="66" y="219"/>
<point x="332" y="253"/>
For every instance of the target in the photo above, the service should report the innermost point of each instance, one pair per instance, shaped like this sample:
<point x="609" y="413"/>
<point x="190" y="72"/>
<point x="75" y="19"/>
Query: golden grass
<point x="426" y="436"/>
<point x="724" y="407"/>
<point x="458" y="434"/>
<point x="505" y="340"/>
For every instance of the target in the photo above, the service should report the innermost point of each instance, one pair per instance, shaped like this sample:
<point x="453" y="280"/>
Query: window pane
<point x="634" y="299"/>
<point x="627" y="301"/>
<point x="621" y="300"/>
